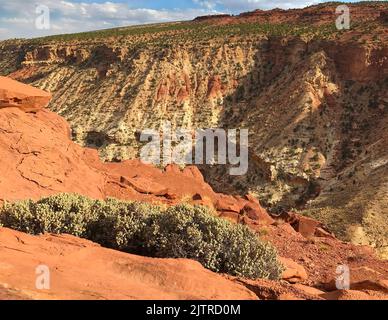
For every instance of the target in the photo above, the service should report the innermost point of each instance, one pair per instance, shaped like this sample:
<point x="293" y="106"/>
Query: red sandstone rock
<point x="293" y="272"/>
<point x="19" y="95"/>
<point x="229" y="203"/>
<point x="173" y="168"/>
<point x="199" y="199"/>
<point x="306" y="226"/>
<point x="271" y="290"/>
<point x="256" y="212"/>
<point x="193" y="172"/>
<point x="80" y="269"/>
<point x="321" y="233"/>
<point x="362" y="278"/>
<point x="38" y="159"/>
<point x="144" y="185"/>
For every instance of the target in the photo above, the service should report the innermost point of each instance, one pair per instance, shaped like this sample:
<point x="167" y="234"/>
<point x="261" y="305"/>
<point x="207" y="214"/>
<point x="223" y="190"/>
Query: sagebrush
<point x="181" y="231"/>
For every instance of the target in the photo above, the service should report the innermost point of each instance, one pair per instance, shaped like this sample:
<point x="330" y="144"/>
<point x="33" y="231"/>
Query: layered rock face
<point x="313" y="98"/>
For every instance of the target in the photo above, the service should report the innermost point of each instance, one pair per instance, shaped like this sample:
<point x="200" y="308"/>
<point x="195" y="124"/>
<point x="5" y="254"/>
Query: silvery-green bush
<point x="181" y="231"/>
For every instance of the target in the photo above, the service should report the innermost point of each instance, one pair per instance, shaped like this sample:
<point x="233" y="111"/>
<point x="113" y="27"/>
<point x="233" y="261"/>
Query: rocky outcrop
<point x="39" y="159"/>
<point x="293" y="272"/>
<point x="24" y="97"/>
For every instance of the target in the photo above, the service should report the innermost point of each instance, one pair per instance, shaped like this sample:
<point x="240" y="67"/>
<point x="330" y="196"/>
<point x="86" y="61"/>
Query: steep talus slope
<point x="314" y="99"/>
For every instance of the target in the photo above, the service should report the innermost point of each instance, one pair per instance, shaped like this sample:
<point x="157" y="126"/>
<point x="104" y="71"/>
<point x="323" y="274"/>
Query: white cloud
<point x="244" y="5"/>
<point x="17" y="17"/>
<point x="206" y="4"/>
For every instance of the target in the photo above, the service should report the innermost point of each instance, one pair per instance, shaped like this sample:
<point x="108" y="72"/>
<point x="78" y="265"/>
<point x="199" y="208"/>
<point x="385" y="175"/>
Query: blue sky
<point x="18" y="18"/>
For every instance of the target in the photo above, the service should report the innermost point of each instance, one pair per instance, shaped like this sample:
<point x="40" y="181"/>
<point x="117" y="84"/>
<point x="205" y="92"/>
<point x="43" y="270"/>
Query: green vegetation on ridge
<point x="190" y="31"/>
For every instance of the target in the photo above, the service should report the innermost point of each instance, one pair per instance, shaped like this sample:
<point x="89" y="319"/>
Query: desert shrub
<point x="19" y="216"/>
<point x="64" y="213"/>
<point x="121" y="225"/>
<point x="221" y="246"/>
<point x="182" y="231"/>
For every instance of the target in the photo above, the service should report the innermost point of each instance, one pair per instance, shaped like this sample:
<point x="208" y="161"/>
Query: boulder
<point x="322" y="233"/>
<point x="306" y="226"/>
<point x="362" y="278"/>
<point x="293" y="272"/>
<point x="228" y="203"/>
<point x="255" y="212"/>
<point x="202" y="200"/>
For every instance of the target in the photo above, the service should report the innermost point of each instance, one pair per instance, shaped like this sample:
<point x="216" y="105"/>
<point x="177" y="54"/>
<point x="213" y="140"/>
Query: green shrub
<point x="181" y="231"/>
